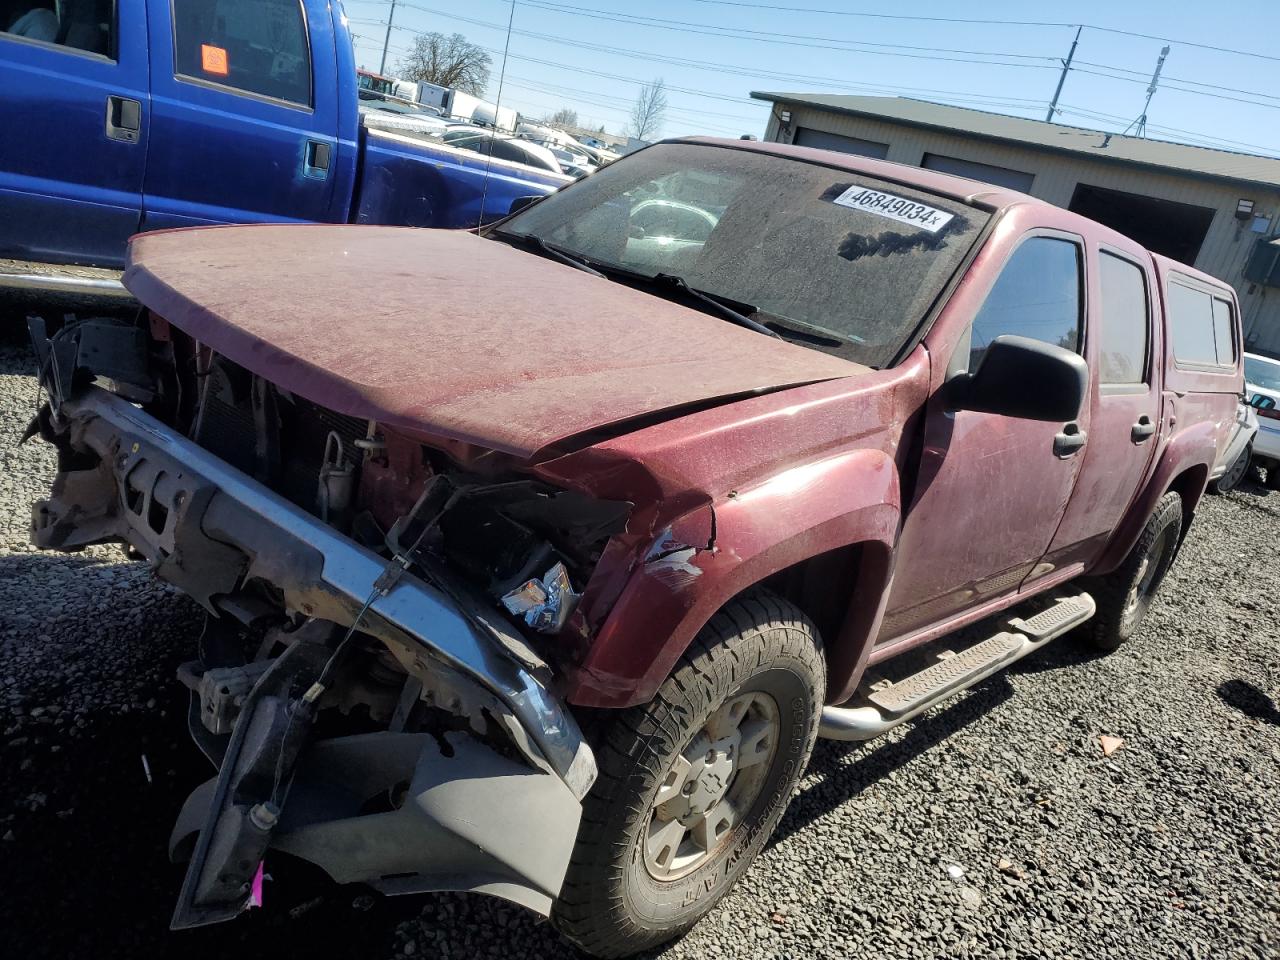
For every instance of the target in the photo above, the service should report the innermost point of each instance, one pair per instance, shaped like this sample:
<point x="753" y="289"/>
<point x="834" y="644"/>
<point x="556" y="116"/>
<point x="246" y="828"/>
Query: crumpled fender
<point x="715" y="552"/>
<point x="1192" y="451"/>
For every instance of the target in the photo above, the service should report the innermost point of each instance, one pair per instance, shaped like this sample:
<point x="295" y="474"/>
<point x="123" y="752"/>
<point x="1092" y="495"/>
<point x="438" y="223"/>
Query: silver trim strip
<point x="65" y="283"/>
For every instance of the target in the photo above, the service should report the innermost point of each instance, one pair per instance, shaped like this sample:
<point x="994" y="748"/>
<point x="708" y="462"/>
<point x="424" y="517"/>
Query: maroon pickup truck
<point x="536" y="560"/>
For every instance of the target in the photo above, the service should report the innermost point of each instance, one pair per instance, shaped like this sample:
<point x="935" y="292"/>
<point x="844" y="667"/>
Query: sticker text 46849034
<point x="895" y="208"/>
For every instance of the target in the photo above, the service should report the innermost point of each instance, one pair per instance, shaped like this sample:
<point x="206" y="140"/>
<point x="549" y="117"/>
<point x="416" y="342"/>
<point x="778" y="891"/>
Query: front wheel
<point x="692" y="783"/>
<point x="1124" y="595"/>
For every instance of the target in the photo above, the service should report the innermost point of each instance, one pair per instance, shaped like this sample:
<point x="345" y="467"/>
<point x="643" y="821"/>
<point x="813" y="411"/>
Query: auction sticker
<point x="894" y="208"/>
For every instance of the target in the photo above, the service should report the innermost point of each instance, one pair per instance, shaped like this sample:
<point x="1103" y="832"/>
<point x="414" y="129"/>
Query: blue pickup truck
<point x="120" y="116"/>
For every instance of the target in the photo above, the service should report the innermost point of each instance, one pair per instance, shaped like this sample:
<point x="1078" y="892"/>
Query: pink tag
<point x="255" y="889"/>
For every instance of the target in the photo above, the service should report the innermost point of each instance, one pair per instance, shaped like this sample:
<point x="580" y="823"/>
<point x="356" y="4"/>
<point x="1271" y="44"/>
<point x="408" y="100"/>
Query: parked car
<point x="556" y="575"/>
<point x="501" y="147"/>
<point x="208" y="111"/>
<point x="668" y="233"/>
<point x="381" y="113"/>
<point x="1262" y="385"/>
<point x="1237" y="460"/>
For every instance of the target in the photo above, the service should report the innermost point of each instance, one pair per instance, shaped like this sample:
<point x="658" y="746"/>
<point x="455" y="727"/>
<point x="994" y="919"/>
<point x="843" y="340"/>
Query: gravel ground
<point x="994" y="827"/>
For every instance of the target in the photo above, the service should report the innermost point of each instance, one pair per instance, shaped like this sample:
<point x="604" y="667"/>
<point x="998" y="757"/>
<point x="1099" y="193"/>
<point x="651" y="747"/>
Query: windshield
<point x="848" y="255"/>
<point x="1262" y="373"/>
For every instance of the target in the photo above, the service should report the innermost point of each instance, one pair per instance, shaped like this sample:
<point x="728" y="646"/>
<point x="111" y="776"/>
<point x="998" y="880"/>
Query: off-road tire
<point x="610" y="905"/>
<point x="1118" y="618"/>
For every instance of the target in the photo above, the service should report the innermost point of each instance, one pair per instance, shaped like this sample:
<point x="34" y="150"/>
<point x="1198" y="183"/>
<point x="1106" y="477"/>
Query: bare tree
<point x="650" y="110"/>
<point x="452" y="61"/>
<point x="564" y="117"/>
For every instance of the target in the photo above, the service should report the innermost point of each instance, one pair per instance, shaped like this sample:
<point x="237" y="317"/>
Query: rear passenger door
<point x="1125" y="398"/>
<point x="73" y="129"/>
<point x="244" y="117"/>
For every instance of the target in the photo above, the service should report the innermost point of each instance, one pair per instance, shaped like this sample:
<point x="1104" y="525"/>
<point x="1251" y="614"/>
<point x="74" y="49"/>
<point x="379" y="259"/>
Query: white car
<point x="1262" y="384"/>
<point x="1238" y="457"/>
<point x="400" y="117"/>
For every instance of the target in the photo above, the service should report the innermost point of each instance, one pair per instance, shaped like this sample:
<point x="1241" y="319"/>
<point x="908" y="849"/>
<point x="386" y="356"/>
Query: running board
<point x="887" y="707"/>
<point x="96" y="283"/>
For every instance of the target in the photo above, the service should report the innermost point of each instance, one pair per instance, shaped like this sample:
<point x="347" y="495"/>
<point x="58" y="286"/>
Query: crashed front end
<point x="388" y="717"/>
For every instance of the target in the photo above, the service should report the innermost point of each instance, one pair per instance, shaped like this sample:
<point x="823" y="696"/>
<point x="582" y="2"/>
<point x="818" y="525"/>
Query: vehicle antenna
<point x="497" y="112"/>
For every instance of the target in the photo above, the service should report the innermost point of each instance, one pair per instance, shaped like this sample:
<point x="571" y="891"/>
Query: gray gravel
<point x="993" y="828"/>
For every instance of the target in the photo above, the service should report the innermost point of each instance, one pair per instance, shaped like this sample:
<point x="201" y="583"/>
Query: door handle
<point x="1068" y="442"/>
<point x="124" y="119"/>
<point x="316" y="163"/>
<point x="1142" y="429"/>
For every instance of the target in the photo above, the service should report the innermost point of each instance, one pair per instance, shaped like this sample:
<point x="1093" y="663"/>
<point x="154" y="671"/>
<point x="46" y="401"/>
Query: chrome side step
<point x="97" y="283"/>
<point x="885" y="707"/>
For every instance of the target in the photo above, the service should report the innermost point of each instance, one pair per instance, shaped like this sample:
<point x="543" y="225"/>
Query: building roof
<point x="1080" y="141"/>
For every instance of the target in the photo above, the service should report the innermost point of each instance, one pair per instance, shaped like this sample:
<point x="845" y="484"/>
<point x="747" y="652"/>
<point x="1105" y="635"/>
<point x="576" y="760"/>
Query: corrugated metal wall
<point x="1227" y="244"/>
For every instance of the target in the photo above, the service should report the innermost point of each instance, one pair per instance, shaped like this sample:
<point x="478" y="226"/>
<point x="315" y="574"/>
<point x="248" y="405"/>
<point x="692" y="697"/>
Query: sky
<point x="593" y="56"/>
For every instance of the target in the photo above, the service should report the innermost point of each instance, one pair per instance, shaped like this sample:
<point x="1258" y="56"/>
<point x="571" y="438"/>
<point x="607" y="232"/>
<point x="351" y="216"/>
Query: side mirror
<point x="519" y="203"/>
<point x="1259" y="402"/>
<point x="1025" y="378"/>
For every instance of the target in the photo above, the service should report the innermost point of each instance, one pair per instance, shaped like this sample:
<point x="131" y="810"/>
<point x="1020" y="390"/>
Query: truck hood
<point x="447" y="334"/>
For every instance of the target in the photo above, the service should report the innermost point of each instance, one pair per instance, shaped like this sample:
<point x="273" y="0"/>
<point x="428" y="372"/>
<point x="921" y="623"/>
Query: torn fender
<point x="714" y="553"/>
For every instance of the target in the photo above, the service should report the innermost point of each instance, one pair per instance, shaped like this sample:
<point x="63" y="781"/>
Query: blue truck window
<point x="87" y="25"/>
<point x="257" y="46"/>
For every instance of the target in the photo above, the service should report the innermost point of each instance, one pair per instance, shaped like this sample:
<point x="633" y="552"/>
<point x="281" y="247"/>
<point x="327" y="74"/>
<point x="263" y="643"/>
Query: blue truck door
<point x="74" y="112"/>
<point x="244" y="113"/>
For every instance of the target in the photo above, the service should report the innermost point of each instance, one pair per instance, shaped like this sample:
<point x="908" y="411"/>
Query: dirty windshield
<point x="827" y="258"/>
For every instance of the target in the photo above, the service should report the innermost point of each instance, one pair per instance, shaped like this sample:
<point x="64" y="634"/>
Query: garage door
<point x="986" y="172"/>
<point x="808" y="137"/>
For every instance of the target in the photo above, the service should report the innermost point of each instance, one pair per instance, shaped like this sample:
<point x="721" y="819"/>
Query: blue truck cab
<point x="121" y="116"/>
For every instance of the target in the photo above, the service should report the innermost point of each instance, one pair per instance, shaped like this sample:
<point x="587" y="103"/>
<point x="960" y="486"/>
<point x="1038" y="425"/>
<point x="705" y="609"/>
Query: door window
<point x="258" y="46"/>
<point x="1037" y="295"/>
<point x="1126" y="322"/>
<point x="78" y="24"/>
<point x="1222" y="338"/>
<point x="1200" y="325"/>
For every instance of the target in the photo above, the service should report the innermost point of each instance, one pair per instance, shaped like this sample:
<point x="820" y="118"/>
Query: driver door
<point x="992" y="489"/>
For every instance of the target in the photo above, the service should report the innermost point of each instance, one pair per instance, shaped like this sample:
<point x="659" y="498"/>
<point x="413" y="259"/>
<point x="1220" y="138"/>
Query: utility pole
<point x="1066" y="66"/>
<point x="391" y="18"/>
<point x="1141" y="122"/>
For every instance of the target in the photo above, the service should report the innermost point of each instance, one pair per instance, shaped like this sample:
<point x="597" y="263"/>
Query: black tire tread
<point x="1110" y="592"/>
<point x="590" y="909"/>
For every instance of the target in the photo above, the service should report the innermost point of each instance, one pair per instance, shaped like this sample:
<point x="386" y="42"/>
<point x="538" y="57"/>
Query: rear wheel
<point x="1235" y="473"/>
<point x="692" y="783"/>
<point x="1124" y="595"/>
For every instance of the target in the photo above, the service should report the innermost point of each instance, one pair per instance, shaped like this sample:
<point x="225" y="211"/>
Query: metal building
<point x="1216" y="210"/>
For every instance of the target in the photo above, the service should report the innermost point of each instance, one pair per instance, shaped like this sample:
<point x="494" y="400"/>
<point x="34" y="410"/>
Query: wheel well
<point x="842" y="592"/>
<point x="1189" y="486"/>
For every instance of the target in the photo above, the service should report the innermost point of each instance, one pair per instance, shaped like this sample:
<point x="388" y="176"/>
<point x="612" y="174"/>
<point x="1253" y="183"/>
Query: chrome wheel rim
<point x="710" y="786"/>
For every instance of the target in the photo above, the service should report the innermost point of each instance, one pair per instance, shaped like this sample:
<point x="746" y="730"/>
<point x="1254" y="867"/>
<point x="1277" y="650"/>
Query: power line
<point x="596" y="13"/>
<point x="1007" y="23"/>
<point x="1168" y="86"/>
<point x="712" y="67"/>
<point x="1167" y="78"/>
<point x="777" y="39"/>
<point x="885" y="16"/>
<point x="1205" y="139"/>
<point x="1013" y="103"/>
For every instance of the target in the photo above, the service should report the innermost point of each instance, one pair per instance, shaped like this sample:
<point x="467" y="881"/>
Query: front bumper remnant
<point x="468" y="816"/>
